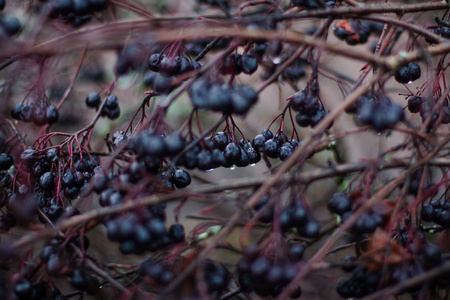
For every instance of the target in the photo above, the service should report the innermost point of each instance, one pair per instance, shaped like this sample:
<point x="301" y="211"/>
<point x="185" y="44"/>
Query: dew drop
<point x="233" y="167"/>
<point x="276" y="60"/>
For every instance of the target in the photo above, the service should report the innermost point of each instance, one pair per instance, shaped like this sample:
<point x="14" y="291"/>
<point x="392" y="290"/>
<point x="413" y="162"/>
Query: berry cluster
<point x="437" y="212"/>
<point x="224" y="4"/>
<point x="169" y="65"/>
<point x="76" y="12"/>
<point x="56" y="253"/>
<point x="43" y="179"/>
<point x="142" y="231"/>
<point x="295" y="71"/>
<point x="313" y="4"/>
<point x="308" y="105"/>
<point x="111" y="107"/>
<point x="278" y="146"/>
<point x="236" y="63"/>
<point x="268" y="275"/>
<point x="74" y="180"/>
<point x="292" y="216"/>
<point x="380" y="113"/>
<point x="131" y="57"/>
<point x="222" y="150"/>
<point x="195" y="47"/>
<point x="38" y="113"/>
<point x="25" y="289"/>
<point x="362" y="282"/>
<point x="354" y="31"/>
<point x="442" y="31"/>
<point x="408" y="73"/>
<point x="158" y="271"/>
<point x="215" y="96"/>
<point x="166" y="67"/>
<point x="83" y="281"/>
<point x="369" y="221"/>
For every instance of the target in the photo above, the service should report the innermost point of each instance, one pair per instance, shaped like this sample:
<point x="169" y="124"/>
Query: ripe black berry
<point x="93" y="100"/>
<point x="6" y="161"/>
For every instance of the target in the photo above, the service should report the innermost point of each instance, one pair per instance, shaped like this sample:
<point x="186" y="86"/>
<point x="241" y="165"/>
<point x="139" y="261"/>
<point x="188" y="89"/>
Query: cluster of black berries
<point x="166" y="67"/>
<point x="82" y="280"/>
<point x="272" y="48"/>
<point x="224" y="4"/>
<point x="418" y="257"/>
<point x="9" y="26"/>
<point x="131" y="57"/>
<point x="219" y="151"/>
<point x="267" y="276"/>
<point x="437" y="212"/>
<point x="111" y="109"/>
<point x="216" y="276"/>
<point x="58" y="252"/>
<point x="158" y="271"/>
<point x="75" y="180"/>
<point x="206" y="94"/>
<point x="309" y="107"/>
<point x="313" y="4"/>
<point x="295" y="71"/>
<point x="38" y="113"/>
<point x="292" y="216"/>
<point x="426" y="109"/>
<point x="278" y="146"/>
<point x="408" y="73"/>
<point x="169" y="65"/>
<point x="275" y="59"/>
<point x="380" y="113"/>
<point x="236" y="63"/>
<point x="362" y="282"/>
<point x="195" y="47"/>
<point x="44" y="174"/>
<point x="354" y="31"/>
<point x="25" y="289"/>
<point x="150" y="150"/>
<point x="356" y="105"/>
<point x="145" y="230"/>
<point x="443" y="31"/>
<point x="341" y="205"/>
<point x="142" y="231"/>
<point x="76" y="12"/>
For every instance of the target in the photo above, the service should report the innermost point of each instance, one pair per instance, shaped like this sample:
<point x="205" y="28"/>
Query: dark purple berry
<point x="93" y="100"/>
<point x="6" y="161"/>
<point x="249" y="63"/>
